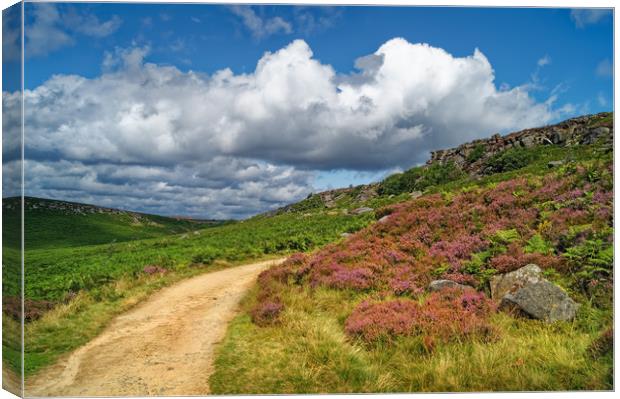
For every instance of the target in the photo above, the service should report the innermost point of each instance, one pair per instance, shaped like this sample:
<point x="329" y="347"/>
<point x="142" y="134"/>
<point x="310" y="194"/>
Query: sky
<point x="223" y="111"/>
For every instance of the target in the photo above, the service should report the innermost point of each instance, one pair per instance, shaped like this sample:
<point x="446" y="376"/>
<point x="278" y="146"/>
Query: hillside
<point x="53" y="224"/>
<point x="419" y="301"/>
<point x="529" y="149"/>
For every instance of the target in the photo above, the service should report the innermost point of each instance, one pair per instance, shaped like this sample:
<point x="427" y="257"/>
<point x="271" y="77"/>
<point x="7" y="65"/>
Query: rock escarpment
<point x="577" y="131"/>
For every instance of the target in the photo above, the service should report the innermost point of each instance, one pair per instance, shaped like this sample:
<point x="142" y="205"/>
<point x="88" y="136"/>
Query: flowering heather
<point x="267" y="312"/>
<point x="441" y="317"/>
<point x="435" y="237"/>
<point x="154" y="269"/>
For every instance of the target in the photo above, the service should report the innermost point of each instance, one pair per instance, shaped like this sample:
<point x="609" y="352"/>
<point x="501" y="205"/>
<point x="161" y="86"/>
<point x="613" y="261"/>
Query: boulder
<point x="505" y="283"/>
<point x="528" y="141"/>
<point x="345" y="235"/>
<point x="554" y="164"/>
<point x="415" y="194"/>
<point x="593" y="134"/>
<point x="384" y="219"/>
<point x="541" y="300"/>
<point x="439" y="285"/>
<point x="558" y="137"/>
<point x="361" y="210"/>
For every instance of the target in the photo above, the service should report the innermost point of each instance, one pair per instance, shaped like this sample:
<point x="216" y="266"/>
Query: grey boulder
<point x="439" y="285"/>
<point x="542" y="300"/>
<point x="526" y="291"/>
<point x="554" y="164"/>
<point x="505" y="283"/>
<point x="361" y="210"/>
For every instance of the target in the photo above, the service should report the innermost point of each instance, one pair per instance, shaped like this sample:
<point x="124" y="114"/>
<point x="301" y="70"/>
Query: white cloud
<point x="51" y="28"/>
<point x="292" y="114"/>
<point x="261" y="27"/>
<point x="546" y="60"/>
<point x="605" y="69"/>
<point x="588" y="16"/>
<point x="602" y="101"/>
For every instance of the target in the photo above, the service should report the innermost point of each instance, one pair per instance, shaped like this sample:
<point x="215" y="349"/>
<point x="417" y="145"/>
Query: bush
<point x="266" y="312"/>
<point x="443" y="316"/>
<point x="512" y="159"/>
<point x="603" y="345"/>
<point x="420" y="178"/>
<point x="153" y="269"/>
<point x="476" y="153"/>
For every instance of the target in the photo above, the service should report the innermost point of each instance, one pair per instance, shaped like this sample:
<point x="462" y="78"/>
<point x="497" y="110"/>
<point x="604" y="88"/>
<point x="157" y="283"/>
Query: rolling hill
<point x="54" y="224"/>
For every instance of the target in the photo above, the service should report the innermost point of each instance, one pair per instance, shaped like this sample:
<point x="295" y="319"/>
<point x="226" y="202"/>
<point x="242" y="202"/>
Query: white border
<point x="470" y="3"/>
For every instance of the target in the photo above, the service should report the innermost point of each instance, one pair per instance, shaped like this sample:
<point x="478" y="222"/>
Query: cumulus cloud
<point x="258" y="26"/>
<point x="293" y="115"/>
<point x="51" y="27"/>
<point x="588" y="16"/>
<point x="219" y="188"/>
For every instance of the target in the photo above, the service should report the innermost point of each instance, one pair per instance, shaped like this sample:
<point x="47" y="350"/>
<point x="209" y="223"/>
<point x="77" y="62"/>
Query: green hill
<point x="56" y="224"/>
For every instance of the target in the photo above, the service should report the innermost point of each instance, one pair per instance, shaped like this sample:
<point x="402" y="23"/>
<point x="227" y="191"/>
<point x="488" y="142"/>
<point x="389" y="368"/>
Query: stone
<point x="558" y="137"/>
<point x="541" y="300"/>
<point x="554" y="164"/>
<point x="384" y="219"/>
<point x="593" y="134"/>
<point x="345" y="235"/>
<point x="439" y="285"/>
<point x="361" y="210"/>
<point x="510" y="282"/>
<point x="415" y="194"/>
<point x="528" y="141"/>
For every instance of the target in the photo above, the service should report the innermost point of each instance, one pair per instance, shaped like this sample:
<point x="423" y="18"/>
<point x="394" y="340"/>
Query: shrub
<point x="603" y="344"/>
<point x="476" y="153"/>
<point x="443" y="316"/>
<point x="203" y="258"/>
<point x="266" y="312"/>
<point x="512" y="159"/>
<point x="153" y="269"/>
<point x="420" y="178"/>
<point x="33" y="310"/>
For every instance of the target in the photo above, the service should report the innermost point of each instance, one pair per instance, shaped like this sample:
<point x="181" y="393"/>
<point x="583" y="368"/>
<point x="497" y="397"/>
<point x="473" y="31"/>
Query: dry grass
<point x="308" y="352"/>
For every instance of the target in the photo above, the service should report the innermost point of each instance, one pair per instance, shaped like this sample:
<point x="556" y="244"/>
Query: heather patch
<point x="442" y="316"/>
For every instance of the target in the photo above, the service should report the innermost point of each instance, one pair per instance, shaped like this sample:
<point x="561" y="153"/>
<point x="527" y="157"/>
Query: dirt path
<point x="164" y="346"/>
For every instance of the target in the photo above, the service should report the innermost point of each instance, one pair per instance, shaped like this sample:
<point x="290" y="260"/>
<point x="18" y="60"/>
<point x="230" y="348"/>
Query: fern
<point x="537" y="244"/>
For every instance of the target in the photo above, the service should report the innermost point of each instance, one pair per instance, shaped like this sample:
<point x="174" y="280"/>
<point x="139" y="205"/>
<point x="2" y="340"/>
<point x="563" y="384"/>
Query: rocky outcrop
<point x="526" y="291"/>
<point x="582" y="130"/>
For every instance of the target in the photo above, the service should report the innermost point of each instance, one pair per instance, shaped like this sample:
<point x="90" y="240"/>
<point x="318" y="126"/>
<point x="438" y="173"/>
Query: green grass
<point x="47" y="228"/>
<point x="109" y="278"/>
<point x="52" y="273"/>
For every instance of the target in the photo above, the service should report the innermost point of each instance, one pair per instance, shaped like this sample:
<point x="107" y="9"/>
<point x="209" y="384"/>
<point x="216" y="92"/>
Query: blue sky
<point x="559" y="59"/>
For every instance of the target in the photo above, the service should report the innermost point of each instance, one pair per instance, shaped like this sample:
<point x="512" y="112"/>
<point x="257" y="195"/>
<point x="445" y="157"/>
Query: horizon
<point x="224" y="112"/>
